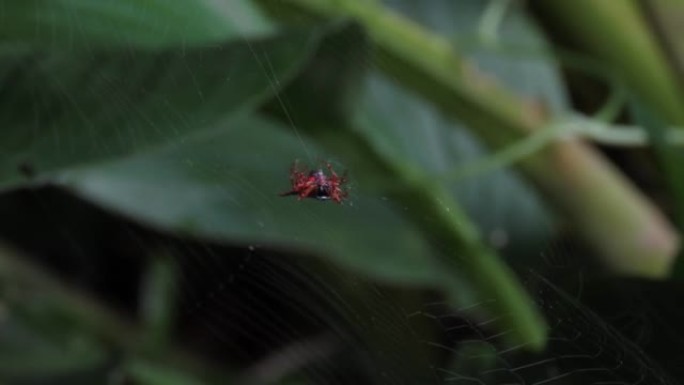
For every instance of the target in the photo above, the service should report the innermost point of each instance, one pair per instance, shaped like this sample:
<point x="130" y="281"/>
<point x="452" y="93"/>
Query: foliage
<point x="145" y="145"/>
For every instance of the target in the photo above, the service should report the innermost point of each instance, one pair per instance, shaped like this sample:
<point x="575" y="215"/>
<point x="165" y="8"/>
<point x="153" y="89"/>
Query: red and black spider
<point x="316" y="184"/>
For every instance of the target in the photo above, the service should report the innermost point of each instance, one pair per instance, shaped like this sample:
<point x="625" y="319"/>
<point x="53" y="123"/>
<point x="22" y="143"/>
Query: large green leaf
<point x="64" y="109"/>
<point x="224" y="185"/>
<point x="88" y="24"/>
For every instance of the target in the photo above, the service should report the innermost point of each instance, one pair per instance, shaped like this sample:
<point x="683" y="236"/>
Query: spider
<point x="316" y="184"/>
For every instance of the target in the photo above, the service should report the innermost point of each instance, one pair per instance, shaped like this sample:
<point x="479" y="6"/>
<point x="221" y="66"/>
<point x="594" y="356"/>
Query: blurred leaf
<point x="78" y="24"/>
<point x="143" y="373"/>
<point x="63" y="110"/>
<point x="158" y="300"/>
<point x="71" y="324"/>
<point x="224" y="184"/>
<point x="26" y="354"/>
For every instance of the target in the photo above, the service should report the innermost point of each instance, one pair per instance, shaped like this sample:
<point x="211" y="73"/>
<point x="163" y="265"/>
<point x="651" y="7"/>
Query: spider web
<point x="268" y="301"/>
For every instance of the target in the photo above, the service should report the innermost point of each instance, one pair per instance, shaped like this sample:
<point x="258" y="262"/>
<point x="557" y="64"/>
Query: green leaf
<point x="62" y="110"/>
<point x="88" y="24"/>
<point x="224" y="185"/>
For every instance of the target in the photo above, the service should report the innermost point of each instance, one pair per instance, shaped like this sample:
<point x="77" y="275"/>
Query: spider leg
<point x="340" y="179"/>
<point x="307" y="191"/>
<point x="296" y="175"/>
<point x="332" y="172"/>
<point x="338" y="193"/>
<point x="342" y="194"/>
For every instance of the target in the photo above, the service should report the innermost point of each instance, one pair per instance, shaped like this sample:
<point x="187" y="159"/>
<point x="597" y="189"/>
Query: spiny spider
<point x="316" y="184"/>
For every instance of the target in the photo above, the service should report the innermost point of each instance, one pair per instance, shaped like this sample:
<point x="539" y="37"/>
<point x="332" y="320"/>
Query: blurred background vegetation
<point x="515" y="178"/>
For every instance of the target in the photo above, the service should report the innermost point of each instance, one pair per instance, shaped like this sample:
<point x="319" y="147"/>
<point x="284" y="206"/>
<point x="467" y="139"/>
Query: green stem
<point x="443" y="221"/>
<point x="158" y="299"/>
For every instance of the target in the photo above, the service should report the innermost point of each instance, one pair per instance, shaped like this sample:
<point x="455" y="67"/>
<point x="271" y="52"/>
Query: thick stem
<point x="631" y="235"/>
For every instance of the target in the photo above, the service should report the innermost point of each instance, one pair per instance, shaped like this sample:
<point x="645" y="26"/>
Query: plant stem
<point x="443" y="221"/>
